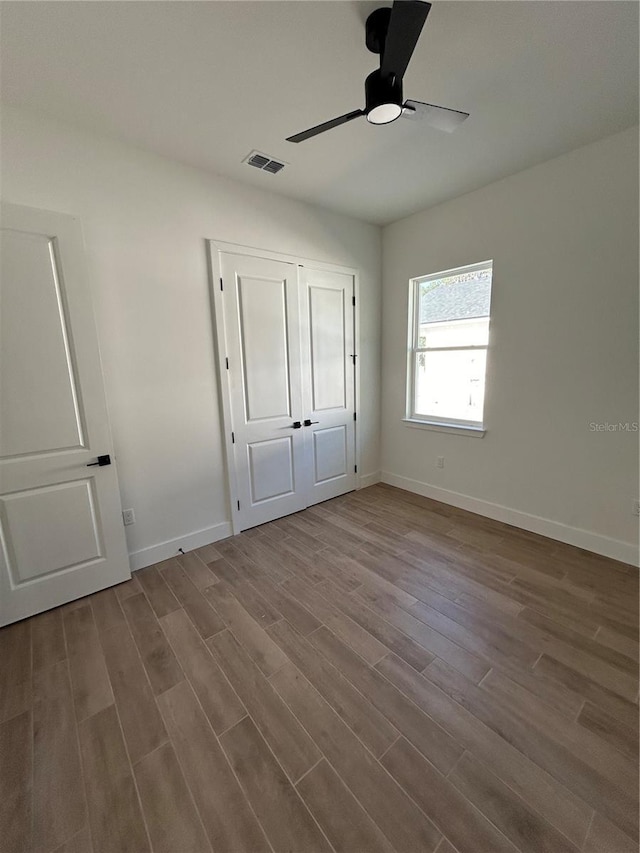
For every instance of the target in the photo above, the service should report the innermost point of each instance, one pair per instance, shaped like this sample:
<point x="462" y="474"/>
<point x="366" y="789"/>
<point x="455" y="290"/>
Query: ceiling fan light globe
<point x="384" y="113"/>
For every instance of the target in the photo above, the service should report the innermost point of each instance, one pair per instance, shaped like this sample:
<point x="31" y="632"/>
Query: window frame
<point x="412" y="418"/>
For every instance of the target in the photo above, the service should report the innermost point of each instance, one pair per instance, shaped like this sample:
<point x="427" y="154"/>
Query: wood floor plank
<point x="287" y="606"/>
<point x="529" y="832"/>
<point x="141" y="722"/>
<point x="259" y="551"/>
<point x="47" y="637"/>
<point x="256" y="605"/>
<point x="225" y="813"/>
<point x="203" y="616"/>
<point x="89" y="678"/>
<point x="160" y="596"/>
<point x="78" y="843"/>
<point x="128" y="588"/>
<point x="208" y="553"/>
<point x="158" y="659"/>
<point x="168" y="807"/>
<point x="617" y="734"/>
<point x="107" y="612"/>
<point x="291" y="745"/>
<point x="580" y="740"/>
<point x="495" y="646"/>
<point x="367" y="646"/>
<point x="286" y="820"/>
<point x="532" y="738"/>
<point x="583" y="686"/>
<point x="115" y="817"/>
<point x="15" y="675"/>
<point x="614" y="640"/>
<point x="384" y="632"/>
<point x="445" y="846"/>
<point x="219" y="700"/>
<point x="58" y="800"/>
<point x="556" y="803"/>
<point x="340" y="816"/>
<point x="473" y="666"/>
<point x="604" y="837"/>
<point x="589" y="646"/>
<point x="427" y="735"/>
<point x="16" y="773"/>
<point x="252" y="636"/>
<point x="198" y="572"/>
<point x="405" y="826"/>
<point x="373" y="729"/>
<point x="452" y="813"/>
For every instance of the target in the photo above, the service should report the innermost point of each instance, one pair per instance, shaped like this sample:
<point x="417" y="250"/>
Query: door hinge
<point x="227" y="362"/>
<point x="233" y="438"/>
<point x="353" y="301"/>
<point x="353" y="359"/>
<point x="355" y="468"/>
<point x="238" y="504"/>
<point x="221" y="285"/>
<point x="355" y="417"/>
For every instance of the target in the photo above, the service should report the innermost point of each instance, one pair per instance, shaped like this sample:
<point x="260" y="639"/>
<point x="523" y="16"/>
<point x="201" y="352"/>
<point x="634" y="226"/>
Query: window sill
<point x="452" y="429"/>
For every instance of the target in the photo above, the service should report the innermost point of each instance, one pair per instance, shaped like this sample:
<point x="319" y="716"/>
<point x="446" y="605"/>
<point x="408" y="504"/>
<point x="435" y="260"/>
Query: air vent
<point x="258" y="160"/>
<point x="273" y="166"/>
<point x="261" y="161"/>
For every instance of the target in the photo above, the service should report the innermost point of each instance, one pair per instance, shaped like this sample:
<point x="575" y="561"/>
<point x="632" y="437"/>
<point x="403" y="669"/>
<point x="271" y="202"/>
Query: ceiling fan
<point x="393" y="34"/>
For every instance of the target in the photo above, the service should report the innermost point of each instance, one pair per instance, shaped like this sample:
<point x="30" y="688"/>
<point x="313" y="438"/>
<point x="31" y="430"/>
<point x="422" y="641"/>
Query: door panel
<point x="65" y="518"/>
<point x="271" y="472"/>
<point x="329" y="453"/>
<point x="261" y="310"/>
<point x="60" y="522"/>
<point x="265" y="356"/>
<point x="39" y="409"/>
<point x="330" y="388"/>
<point x="327" y="318"/>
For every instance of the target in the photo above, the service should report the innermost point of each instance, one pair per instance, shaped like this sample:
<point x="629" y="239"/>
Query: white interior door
<point x="288" y="358"/>
<point x="61" y="533"/>
<point x="264" y="369"/>
<point x="326" y="302"/>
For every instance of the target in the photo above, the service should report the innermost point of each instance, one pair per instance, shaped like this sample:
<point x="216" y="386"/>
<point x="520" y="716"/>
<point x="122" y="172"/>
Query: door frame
<point x="215" y="248"/>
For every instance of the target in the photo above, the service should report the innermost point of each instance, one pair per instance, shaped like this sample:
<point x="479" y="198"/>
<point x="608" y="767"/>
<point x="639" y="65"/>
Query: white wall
<point x="145" y="222"/>
<point x="563" y="349"/>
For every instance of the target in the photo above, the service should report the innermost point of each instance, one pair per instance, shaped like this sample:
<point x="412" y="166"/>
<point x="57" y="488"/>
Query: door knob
<point x="296" y="425"/>
<point x="308" y="422"/>
<point x="102" y="460"/>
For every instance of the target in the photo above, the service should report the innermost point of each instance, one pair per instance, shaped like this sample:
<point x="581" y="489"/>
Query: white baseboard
<point x="368" y="479"/>
<point x="626" y="552"/>
<point x="164" y="550"/>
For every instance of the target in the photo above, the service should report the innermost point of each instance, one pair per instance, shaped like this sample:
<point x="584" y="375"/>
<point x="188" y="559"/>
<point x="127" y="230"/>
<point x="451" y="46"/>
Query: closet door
<point x="262" y="330"/>
<point x="327" y="329"/>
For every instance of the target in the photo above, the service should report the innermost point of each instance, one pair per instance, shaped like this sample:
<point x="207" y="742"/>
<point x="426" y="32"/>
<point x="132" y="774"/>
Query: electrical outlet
<point x="128" y="516"/>
<point x="440" y="462"/>
<point x="636" y="507"/>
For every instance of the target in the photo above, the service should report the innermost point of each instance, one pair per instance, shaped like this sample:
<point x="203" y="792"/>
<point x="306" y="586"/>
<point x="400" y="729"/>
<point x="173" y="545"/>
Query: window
<point x="449" y="335"/>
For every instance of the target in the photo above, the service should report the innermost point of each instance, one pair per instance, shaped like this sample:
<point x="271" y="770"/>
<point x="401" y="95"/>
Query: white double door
<point x="289" y="333"/>
<point x="61" y="533"/>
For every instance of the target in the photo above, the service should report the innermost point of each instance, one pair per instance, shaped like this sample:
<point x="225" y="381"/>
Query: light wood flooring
<point x="380" y="672"/>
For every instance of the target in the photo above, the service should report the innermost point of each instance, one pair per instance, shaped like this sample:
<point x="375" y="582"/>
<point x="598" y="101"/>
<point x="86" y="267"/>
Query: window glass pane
<point x="450" y="384"/>
<point x="456" y="333"/>
<point x="455" y="297"/>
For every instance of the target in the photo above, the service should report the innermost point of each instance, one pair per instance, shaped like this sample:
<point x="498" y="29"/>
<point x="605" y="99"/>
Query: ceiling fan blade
<point x="440" y="117"/>
<point x="405" y="26"/>
<point x="327" y="125"/>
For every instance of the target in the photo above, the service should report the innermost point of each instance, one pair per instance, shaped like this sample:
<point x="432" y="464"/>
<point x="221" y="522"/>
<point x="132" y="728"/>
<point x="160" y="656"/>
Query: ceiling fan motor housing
<point x="382" y="89"/>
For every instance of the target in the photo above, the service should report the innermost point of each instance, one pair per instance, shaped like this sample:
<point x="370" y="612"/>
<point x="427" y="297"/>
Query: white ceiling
<point x="206" y="82"/>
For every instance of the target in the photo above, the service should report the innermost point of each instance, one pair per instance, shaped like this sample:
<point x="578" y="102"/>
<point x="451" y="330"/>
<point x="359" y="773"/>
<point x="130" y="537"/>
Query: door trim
<point x="215" y="248"/>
